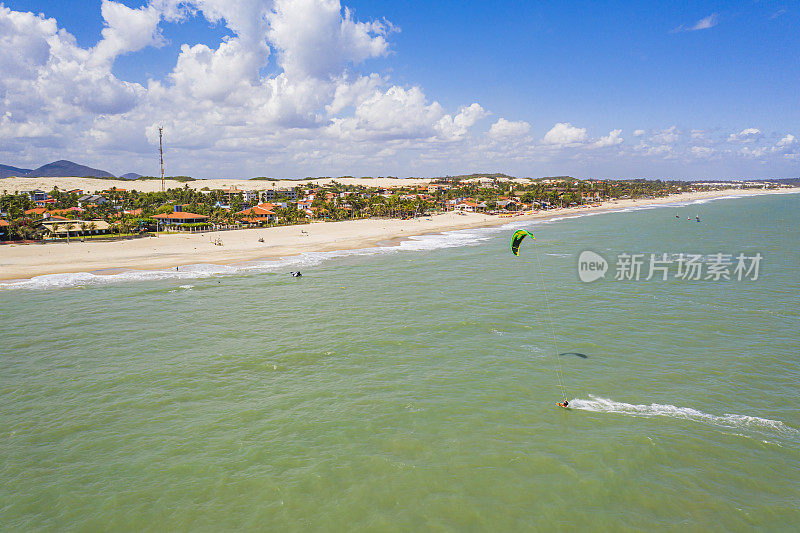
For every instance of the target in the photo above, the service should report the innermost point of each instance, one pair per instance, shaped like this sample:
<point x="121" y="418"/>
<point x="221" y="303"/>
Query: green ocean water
<point x="414" y="388"/>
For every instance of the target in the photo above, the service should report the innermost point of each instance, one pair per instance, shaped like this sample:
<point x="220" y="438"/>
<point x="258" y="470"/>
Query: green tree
<point x="236" y="203"/>
<point x="53" y="229"/>
<point x="68" y="226"/>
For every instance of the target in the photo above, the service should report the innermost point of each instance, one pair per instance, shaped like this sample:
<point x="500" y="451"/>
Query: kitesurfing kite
<point x="516" y="241"/>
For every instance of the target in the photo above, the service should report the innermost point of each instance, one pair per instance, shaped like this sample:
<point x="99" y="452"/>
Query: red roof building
<point x="259" y="213"/>
<point x="65" y="211"/>
<point x="180" y="217"/>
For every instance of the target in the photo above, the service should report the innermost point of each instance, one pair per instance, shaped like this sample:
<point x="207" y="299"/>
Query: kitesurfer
<point x="565" y="404"/>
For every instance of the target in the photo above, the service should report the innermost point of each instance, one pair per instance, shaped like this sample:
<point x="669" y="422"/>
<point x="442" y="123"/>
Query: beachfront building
<point x="290" y="193"/>
<point x="180" y="219"/>
<point x="91" y="199"/>
<point x="60" y="227"/>
<point x="229" y="193"/>
<point x="37" y="211"/>
<point x="259" y="214"/>
<point x="248" y="197"/>
<point x="507" y="204"/>
<point x="470" y="206"/>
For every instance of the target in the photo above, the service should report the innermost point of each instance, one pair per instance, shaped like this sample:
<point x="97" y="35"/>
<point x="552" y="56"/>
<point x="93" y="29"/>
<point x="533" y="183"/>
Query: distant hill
<point x="61" y="168"/>
<point x="8" y="171"/>
<point x="131" y="176"/>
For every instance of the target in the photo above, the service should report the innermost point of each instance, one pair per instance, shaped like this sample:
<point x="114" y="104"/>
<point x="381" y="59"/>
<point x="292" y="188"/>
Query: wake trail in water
<point x="604" y="405"/>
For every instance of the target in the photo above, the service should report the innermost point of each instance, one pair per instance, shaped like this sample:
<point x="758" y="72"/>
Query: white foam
<point x="604" y="405"/>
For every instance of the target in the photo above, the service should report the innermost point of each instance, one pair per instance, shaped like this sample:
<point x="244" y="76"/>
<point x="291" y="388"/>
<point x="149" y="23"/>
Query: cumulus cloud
<point x="754" y="152"/>
<point x="666" y="136"/>
<point x="315" y="40"/>
<point x="613" y="138"/>
<point x="638" y="133"/>
<point x="397" y="113"/>
<point x="788" y="146"/>
<point x="505" y="129"/>
<point x="49" y="81"/>
<point x="126" y="30"/>
<point x="701" y="151"/>
<point x="788" y="140"/>
<point x="564" y="134"/>
<point x="746" y="135"/>
<point x="457" y="127"/>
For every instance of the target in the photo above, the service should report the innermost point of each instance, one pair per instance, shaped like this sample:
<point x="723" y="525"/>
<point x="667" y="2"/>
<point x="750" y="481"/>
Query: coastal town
<point x="38" y="216"/>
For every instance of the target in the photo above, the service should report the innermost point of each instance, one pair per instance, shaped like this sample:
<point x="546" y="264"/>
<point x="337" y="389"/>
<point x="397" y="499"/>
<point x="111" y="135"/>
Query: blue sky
<point x="705" y="90"/>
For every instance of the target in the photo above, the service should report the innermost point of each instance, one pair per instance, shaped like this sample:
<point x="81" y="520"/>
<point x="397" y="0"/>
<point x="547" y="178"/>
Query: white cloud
<point x="639" y="133"/>
<point x="746" y="135"/>
<point x="47" y="79"/>
<point x="613" y="138"/>
<point x="788" y="146"/>
<point x="756" y="152"/>
<point x="458" y="126"/>
<point x="393" y="114"/>
<point x="666" y="136"/>
<point x="315" y="40"/>
<point x="788" y="140"/>
<point x="705" y="23"/>
<point x="701" y="151"/>
<point x="506" y="129"/>
<point x="702" y="24"/>
<point x="564" y="134"/>
<point x="126" y="30"/>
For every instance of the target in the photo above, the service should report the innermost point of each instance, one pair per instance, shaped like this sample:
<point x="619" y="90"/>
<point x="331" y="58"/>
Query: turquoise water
<point x="413" y="388"/>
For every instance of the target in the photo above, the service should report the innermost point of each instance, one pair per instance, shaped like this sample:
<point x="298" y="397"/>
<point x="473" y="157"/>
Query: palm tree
<point x="53" y="229"/>
<point x="124" y="227"/>
<point x="82" y="225"/>
<point x="68" y="226"/>
<point x="92" y="227"/>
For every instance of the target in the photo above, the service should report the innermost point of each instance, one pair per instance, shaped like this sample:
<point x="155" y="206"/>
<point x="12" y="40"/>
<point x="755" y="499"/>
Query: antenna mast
<point x="161" y="154"/>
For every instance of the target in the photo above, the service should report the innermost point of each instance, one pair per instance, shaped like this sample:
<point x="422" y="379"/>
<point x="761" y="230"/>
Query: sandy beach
<point x="175" y="250"/>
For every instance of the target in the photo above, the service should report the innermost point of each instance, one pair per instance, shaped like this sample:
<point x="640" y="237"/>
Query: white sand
<point x="25" y="261"/>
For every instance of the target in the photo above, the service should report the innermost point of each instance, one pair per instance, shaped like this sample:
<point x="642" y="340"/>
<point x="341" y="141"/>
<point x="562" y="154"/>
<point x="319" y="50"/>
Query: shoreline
<point x="20" y="262"/>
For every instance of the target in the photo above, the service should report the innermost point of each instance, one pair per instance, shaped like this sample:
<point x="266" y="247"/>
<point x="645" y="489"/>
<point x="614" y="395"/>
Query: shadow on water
<point x="576" y="354"/>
